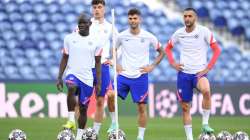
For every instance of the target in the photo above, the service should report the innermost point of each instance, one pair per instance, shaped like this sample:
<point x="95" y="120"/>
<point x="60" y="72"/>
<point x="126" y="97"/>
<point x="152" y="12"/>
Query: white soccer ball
<point x="204" y="136"/>
<point x="121" y="135"/>
<point x="17" y="134"/>
<point x="224" y="135"/>
<point x="240" y="135"/>
<point x="89" y="134"/>
<point x="65" y="134"/>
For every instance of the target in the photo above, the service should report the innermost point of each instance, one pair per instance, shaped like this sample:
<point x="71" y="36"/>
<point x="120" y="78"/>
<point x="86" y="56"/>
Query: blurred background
<point x="31" y="38"/>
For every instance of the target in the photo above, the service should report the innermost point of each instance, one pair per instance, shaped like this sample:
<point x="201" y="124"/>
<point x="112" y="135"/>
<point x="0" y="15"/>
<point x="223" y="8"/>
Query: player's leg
<point x="72" y="85"/>
<point x="111" y="108"/>
<point x="187" y="120"/>
<point x="204" y="87"/>
<point x="185" y="94"/>
<point x="142" y="120"/>
<point x="122" y="89"/>
<point x="84" y="98"/>
<point x="98" y="114"/>
<point x="82" y="120"/>
<point x="100" y="97"/>
<point x="139" y="92"/>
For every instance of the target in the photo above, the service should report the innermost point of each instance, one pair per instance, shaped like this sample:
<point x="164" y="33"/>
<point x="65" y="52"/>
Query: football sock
<point x="97" y="127"/>
<point x="205" y="116"/>
<point x="188" y="131"/>
<point x="79" y="134"/>
<point x="71" y="116"/>
<point x="141" y="131"/>
<point x="112" y="115"/>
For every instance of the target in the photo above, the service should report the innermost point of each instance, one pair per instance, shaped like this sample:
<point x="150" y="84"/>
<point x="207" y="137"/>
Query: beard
<point x="83" y="32"/>
<point x="189" y="24"/>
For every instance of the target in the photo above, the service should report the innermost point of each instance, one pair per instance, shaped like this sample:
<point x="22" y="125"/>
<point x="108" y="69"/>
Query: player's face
<point x="98" y="11"/>
<point x="189" y="18"/>
<point x="134" y="21"/>
<point x="83" y="26"/>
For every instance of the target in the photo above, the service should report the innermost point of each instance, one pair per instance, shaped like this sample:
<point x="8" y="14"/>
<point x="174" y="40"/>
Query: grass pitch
<point x="157" y="128"/>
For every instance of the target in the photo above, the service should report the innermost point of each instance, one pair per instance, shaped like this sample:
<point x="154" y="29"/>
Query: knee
<point x="72" y="89"/>
<point x="83" y="109"/>
<point x="185" y="107"/>
<point x="100" y="101"/>
<point x="111" y="95"/>
<point x="206" y="93"/>
<point x="142" y="109"/>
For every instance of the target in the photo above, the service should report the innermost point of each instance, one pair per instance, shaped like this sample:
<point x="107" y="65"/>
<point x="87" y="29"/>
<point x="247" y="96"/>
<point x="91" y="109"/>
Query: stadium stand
<point x="32" y="33"/>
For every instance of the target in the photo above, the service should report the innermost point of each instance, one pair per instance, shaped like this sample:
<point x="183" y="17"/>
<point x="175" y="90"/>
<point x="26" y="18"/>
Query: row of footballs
<point x="89" y="134"/>
<point x="225" y="135"/>
<point x="67" y="134"/>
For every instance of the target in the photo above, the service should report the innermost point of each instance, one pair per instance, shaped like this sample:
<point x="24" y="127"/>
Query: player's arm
<point x="157" y="60"/>
<point x="216" y="53"/>
<point x="169" y="53"/>
<point x="63" y="64"/>
<point x="159" y="57"/>
<point x="98" y="73"/>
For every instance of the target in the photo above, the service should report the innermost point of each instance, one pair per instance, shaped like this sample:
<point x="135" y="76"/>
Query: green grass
<point x="157" y="129"/>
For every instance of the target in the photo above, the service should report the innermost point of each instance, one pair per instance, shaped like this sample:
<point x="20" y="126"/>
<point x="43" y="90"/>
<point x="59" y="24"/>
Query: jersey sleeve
<point x="209" y="37"/>
<point x="174" y="39"/>
<point x="65" y="49"/>
<point x="118" y="42"/>
<point x="155" y="42"/>
<point x="168" y="50"/>
<point x="99" y="48"/>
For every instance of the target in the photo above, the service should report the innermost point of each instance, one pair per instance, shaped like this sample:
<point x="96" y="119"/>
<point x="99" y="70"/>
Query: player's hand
<point x="202" y="73"/>
<point x="177" y="66"/>
<point x="108" y="62"/>
<point x="147" y="69"/>
<point x="59" y="84"/>
<point x="119" y="68"/>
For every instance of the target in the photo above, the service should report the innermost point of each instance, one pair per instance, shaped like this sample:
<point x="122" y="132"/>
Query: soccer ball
<point x="121" y="135"/>
<point x="17" y="134"/>
<point x="65" y="134"/>
<point x="89" y="134"/>
<point x="224" y="135"/>
<point x="204" y="136"/>
<point x="240" y="136"/>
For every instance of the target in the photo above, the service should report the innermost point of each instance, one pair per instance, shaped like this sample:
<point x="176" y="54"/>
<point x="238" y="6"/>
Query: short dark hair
<point x="83" y="16"/>
<point x="190" y="9"/>
<point x="95" y="2"/>
<point x="134" y="11"/>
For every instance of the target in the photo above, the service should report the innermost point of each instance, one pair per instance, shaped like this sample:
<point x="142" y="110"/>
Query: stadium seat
<point x="32" y="34"/>
<point x="203" y="12"/>
<point x="220" y="22"/>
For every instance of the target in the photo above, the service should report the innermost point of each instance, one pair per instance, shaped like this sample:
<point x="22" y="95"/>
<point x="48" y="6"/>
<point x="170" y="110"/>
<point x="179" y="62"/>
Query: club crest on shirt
<point x="196" y="36"/>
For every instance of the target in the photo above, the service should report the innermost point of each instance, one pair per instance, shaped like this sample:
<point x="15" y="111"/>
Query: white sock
<point x="188" y="131"/>
<point x="71" y="116"/>
<point x="97" y="127"/>
<point x="205" y="116"/>
<point x="79" y="134"/>
<point x="112" y="115"/>
<point x="141" y="131"/>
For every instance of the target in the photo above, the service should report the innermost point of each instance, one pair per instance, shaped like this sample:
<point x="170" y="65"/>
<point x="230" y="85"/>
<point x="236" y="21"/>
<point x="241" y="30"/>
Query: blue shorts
<point x="138" y="88"/>
<point x="106" y="83"/>
<point x="83" y="90"/>
<point x="185" y="85"/>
